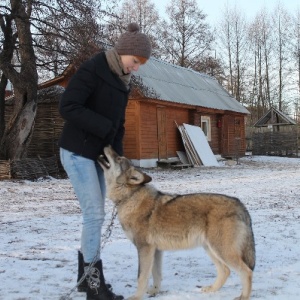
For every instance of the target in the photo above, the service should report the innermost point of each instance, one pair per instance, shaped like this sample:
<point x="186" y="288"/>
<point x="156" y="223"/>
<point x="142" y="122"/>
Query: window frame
<point x="206" y="120"/>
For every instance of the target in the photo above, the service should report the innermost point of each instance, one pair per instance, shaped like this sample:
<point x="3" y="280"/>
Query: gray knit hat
<point x="133" y="42"/>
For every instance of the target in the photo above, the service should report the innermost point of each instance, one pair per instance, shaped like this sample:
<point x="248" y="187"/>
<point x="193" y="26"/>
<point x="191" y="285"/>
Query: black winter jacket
<point x="93" y="106"/>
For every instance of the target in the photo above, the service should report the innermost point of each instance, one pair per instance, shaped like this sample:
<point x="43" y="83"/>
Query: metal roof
<point x="176" y="84"/>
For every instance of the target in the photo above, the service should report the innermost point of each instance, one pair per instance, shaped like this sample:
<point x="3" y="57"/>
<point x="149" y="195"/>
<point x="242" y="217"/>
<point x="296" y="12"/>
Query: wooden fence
<point x="30" y="168"/>
<point x="5" y="169"/>
<point x="275" y="143"/>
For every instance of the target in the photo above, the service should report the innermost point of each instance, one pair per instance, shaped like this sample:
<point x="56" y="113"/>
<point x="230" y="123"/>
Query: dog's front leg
<point x="156" y="273"/>
<point x="146" y="257"/>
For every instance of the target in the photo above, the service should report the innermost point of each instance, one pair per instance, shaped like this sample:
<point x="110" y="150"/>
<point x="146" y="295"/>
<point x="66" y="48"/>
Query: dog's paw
<point x="241" y="298"/>
<point x="153" y="291"/>
<point x="208" y="289"/>
<point x="134" y="298"/>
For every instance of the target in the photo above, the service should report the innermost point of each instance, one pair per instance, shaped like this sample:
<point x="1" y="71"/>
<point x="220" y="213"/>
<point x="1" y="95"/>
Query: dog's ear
<point x="147" y="178"/>
<point x="137" y="177"/>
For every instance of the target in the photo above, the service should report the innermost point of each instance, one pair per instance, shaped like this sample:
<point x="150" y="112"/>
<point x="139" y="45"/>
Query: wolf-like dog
<point x="155" y="221"/>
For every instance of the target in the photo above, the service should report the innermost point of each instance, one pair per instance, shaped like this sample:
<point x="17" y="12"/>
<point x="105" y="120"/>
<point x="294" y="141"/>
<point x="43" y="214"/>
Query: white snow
<point x="41" y="223"/>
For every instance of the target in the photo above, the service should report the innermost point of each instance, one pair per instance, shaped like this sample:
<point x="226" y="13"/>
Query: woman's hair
<point x="142" y="60"/>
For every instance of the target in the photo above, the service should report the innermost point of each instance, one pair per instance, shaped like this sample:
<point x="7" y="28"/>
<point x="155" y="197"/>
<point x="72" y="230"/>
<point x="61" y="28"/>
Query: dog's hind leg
<point x="146" y="258"/>
<point x="222" y="273"/>
<point x="156" y="273"/>
<point x="246" y="275"/>
<point x="235" y="261"/>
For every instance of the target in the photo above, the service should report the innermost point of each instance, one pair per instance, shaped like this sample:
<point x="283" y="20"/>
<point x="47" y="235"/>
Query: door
<point x="161" y="132"/>
<point x="225" y="136"/>
<point x="238" y="142"/>
<point x="232" y="143"/>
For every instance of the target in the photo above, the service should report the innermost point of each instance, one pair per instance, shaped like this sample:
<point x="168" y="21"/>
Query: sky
<point x="213" y="8"/>
<point x="40" y="225"/>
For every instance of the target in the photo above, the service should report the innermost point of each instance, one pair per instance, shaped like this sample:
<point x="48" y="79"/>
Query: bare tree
<point x="34" y="34"/>
<point x="232" y="33"/>
<point x="24" y="78"/>
<point x="3" y="84"/>
<point x="282" y="36"/>
<point x="9" y="39"/>
<point x="296" y="62"/>
<point x="185" y="38"/>
<point x="261" y="45"/>
<point x="144" y="14"/>
<point x="212" y="66"/>
<point x="71" y="31"/>
<point x="297" y="47"/>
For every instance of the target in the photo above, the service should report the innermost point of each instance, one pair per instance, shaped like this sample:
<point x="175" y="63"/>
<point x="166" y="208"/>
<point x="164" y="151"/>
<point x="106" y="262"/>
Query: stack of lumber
<point x="196" y="146"/>
<point x="190" y="151"/>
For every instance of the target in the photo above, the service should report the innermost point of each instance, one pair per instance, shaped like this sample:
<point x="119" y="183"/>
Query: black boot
<point x="82" y="286"/>
<point x="96" y="287"/>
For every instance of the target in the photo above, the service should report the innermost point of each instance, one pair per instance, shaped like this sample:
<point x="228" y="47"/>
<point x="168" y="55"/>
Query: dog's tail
<point x="248" y="254"/>
<point x="248" y="248"/>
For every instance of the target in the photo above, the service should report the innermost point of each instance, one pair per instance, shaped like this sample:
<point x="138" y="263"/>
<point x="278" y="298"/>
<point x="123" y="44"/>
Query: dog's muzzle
<point x="102" y="160"/>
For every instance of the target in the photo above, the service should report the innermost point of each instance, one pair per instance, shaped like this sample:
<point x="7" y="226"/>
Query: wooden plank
<point x="200" y="144"/>
<point x="186" y="145"/>
<point x="183" y="157"/>
<point x="194" y="156"/>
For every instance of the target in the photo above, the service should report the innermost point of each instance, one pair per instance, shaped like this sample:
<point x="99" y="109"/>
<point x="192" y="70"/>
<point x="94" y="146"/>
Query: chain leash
<point x="104" y="238"/>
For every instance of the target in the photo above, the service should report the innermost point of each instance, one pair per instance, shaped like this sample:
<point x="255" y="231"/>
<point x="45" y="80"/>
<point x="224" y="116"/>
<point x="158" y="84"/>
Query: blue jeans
<point x="87" y="179"/>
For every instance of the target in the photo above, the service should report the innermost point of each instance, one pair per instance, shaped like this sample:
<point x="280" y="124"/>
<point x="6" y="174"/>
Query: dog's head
<point x="120" y="172"/>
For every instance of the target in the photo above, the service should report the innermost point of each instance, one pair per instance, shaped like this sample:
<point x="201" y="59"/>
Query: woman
<point x="93" y="106"/>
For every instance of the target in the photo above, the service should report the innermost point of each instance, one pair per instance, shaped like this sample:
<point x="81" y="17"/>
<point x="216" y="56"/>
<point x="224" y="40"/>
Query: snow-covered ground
<point x="41" y="223"/>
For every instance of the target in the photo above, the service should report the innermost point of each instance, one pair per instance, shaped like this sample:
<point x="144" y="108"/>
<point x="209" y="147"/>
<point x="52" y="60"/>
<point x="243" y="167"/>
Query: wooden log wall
<point x="47" y="130"/>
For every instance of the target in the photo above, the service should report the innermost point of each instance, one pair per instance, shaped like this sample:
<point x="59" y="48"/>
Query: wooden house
<point x="162" y="96"/>
<point x="165" y="95"/>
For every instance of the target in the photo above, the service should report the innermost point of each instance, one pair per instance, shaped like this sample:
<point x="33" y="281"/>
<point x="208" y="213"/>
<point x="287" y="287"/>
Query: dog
<point x="155" y="221"/>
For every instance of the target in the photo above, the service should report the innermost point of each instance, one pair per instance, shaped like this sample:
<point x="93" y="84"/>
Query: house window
<point x="206" y="127"/>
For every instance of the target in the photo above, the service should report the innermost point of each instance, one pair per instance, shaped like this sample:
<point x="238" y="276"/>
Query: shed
<point x="162" y="95"/>
<point x="275" y="119"/>
<point x="275" y="134"/>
